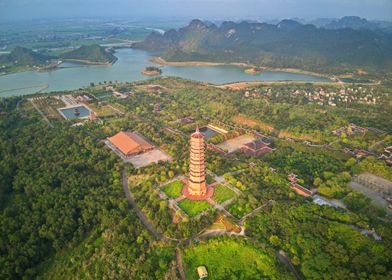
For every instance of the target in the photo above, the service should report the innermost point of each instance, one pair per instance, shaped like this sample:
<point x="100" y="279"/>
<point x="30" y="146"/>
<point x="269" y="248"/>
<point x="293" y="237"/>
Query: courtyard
<point x="173" y="191"/>
<point x="236" y="143"/>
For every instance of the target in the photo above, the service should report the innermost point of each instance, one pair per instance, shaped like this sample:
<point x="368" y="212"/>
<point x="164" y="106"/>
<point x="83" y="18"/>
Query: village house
<point x="387" y="155"/>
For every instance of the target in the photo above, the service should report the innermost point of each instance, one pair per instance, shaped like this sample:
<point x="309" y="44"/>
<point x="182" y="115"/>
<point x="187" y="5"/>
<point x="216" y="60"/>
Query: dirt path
<point x="179" y="264"/>
<point x="284" y="259"/>
<point x="254" y="212"/>
<point x="40" y="112"/>
<point x="116" y="109"/>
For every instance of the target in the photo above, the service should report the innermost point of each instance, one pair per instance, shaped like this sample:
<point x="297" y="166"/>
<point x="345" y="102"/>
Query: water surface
<point x="128" y="68"/>
<point x="208" y="132"/>
<point x="78" y="112"/>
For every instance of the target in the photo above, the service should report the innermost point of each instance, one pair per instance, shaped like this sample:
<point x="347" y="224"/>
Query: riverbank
<point x="151" y="73"/>
<point x="89" y="62"/>
<point x="253" y="71"/>
<point x="159" y="60"/>
<point x="245" y="84"/>
<point x="20" y="69"/>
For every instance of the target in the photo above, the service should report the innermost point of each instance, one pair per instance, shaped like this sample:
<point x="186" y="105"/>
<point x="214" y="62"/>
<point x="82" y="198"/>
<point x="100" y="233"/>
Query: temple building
<point x="129" y="143"/>
<point x="256" y="148"/>
<point x="196" y="188"/>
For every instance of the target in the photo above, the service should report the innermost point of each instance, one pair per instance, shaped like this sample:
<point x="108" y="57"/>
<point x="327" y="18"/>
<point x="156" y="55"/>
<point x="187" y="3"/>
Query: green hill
<point x="20" y="56"/>
<point x="287" y="44"/>
<point x="90" y="54"/>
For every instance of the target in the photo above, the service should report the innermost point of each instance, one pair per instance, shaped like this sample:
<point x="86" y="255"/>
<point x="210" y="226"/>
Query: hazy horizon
<point x="22" y="10"/>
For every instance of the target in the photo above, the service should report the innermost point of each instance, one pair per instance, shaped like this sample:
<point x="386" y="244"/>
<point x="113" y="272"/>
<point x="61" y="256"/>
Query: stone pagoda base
<point x="209" y="193"/>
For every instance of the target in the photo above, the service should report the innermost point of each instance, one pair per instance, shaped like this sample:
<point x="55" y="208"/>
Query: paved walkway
<point x="180" y="198"/>
<point x="211" y="201"/>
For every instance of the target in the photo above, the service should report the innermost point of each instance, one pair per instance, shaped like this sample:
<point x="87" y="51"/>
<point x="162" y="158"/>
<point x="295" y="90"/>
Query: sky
<point x="17" y="10"/>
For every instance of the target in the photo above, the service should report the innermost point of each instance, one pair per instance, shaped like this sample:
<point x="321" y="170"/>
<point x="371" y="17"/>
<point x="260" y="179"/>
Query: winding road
<point x="140" y="214"/>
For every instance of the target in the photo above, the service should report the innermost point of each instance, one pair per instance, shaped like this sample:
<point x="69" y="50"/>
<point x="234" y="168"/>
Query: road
<point x="140" y="214"/>
<point x="40" y="112"/>
<point x="179" y="264"/>
<point x="284" y="259"/>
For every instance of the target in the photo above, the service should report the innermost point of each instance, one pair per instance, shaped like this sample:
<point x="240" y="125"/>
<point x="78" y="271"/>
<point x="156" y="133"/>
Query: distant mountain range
<point x="288" y="44"/>
<point x="353" y="22"/>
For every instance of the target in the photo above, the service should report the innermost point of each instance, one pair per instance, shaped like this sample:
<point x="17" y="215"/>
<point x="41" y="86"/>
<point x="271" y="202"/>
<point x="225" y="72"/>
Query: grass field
<point x="222" y="193"/>
<point x="192" y="208"/>
<point x="232" y="259"/>
<point x="173" y="189"/>
<point x="243" y="120"/>
<point x="102" y="111"/>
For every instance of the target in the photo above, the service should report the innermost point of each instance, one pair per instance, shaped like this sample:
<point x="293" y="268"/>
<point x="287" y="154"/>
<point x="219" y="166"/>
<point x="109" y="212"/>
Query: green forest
<point x="61" y="200"/>
<point x="64" y="212"/>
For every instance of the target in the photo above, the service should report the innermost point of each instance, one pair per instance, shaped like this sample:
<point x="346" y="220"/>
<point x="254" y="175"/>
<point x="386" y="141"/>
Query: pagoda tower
<point x="196" y="187"/>
<point x="197" y="170"/>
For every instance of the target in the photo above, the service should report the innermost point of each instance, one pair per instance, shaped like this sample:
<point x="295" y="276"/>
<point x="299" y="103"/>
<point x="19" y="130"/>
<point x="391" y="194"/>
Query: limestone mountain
<point x="90" y="53"/>
<point x="286" y="44"/>
<point x="20" y="56"/>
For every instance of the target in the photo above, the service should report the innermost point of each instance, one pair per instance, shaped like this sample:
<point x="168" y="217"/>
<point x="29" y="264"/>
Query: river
<point x="128" y="68"/>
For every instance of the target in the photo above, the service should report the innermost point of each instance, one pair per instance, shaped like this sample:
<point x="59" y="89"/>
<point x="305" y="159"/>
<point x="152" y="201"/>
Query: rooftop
<point x="197" y="134"/>
<point x="129" y="143"/>
<point x="202" y="271"/>
<point x="257" y="145"/>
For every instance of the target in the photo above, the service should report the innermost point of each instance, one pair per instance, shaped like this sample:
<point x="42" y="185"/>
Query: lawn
<point x="232" y="259"/>
<point x="173" y="189"/>
<point x="222" y="193"/>
<point x="102" y="111"/>
<point x="192" y="208"/>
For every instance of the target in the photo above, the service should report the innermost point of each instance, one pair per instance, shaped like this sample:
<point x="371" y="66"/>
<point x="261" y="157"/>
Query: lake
<point x="128" y="68"/>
